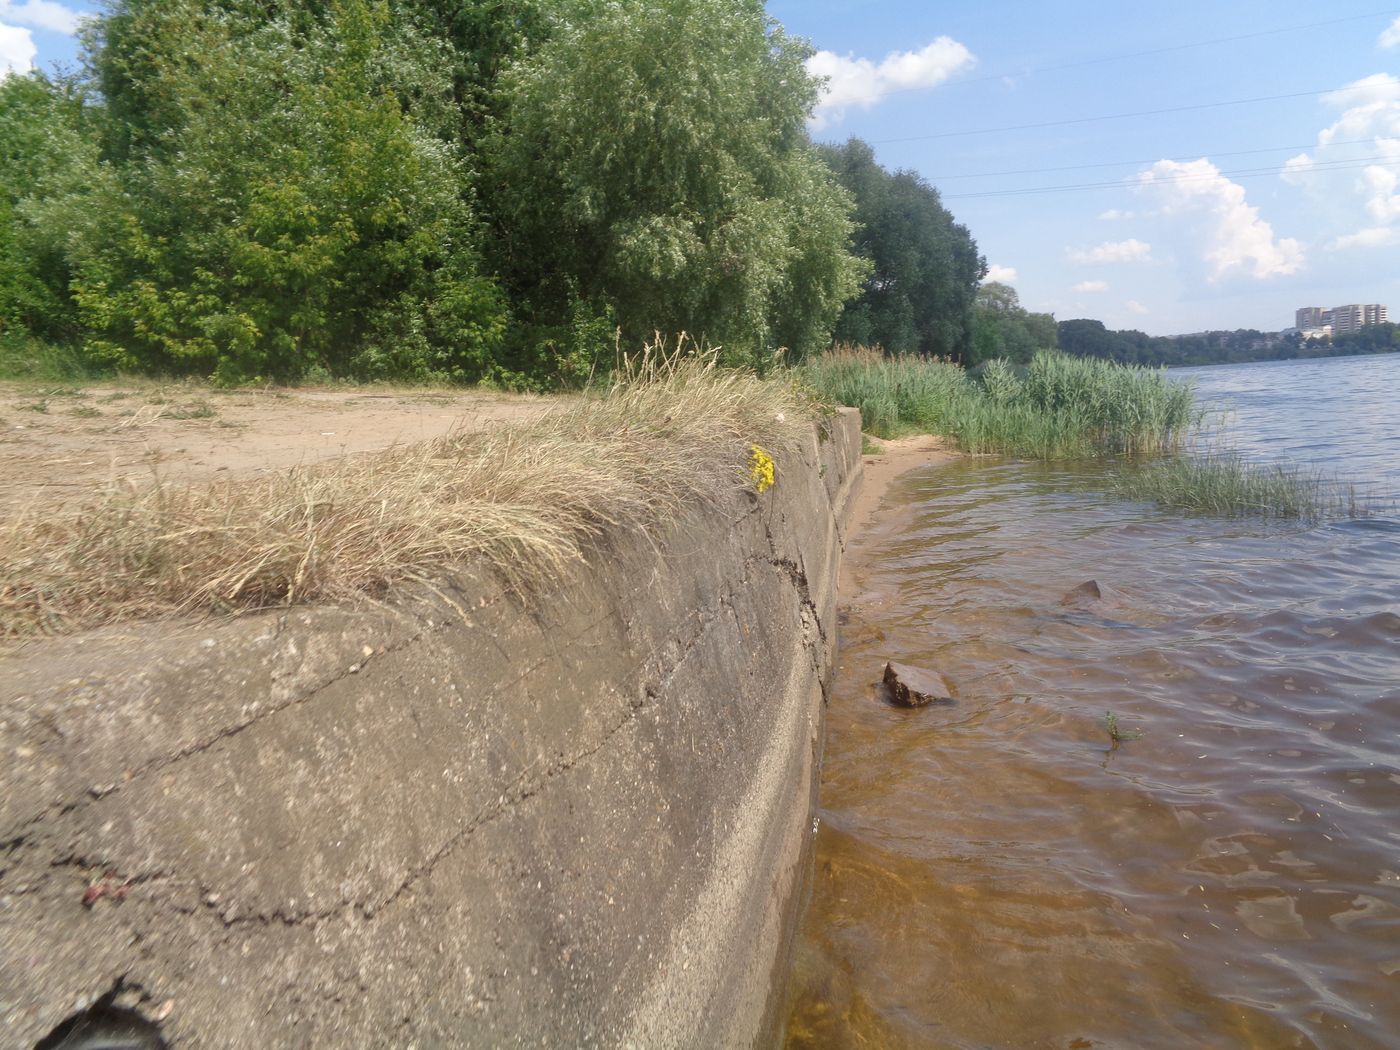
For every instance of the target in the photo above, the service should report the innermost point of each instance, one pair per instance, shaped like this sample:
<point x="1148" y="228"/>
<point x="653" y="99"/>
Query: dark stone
<point x="915" y="687"/>
<point x="1087" y="593"/>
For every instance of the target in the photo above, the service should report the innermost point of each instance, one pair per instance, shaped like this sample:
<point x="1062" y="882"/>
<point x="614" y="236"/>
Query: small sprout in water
<point x="1118" y="733"/>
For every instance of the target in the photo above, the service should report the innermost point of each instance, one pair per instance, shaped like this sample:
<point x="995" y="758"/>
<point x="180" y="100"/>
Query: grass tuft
<point x="671" y="435"/>
<point x="1227" y="485"/>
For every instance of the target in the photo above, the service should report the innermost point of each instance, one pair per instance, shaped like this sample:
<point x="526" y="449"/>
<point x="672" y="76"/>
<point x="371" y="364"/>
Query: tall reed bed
<point x="1060" y="408"/>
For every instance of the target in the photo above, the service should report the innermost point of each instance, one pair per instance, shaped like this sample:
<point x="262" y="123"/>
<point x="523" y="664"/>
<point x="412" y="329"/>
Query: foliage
<point x="1002" y="328"/>
<point x="1227" y="485"/>
<point x="1383" y="338"/>
<point x="1061" y="408"/>
<point x="422" y="189"/>
<point x="653" y="166"/>
<point x="1117" y="733"/>
<point x="48" y="171"/>
<point x="924" y="267"/>
<point x="287" y="216"/>
<point x="1086" y="337"/>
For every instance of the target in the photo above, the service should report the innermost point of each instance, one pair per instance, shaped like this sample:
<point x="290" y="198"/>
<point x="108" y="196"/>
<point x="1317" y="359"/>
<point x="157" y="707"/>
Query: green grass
<point x="23" y="358"/>
<point x="1060" y="407"/>
<point x="1229" y="486"/>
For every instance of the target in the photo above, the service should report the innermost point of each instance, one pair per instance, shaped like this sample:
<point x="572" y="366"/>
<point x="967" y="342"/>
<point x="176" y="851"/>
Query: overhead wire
<point x="1149" y="160"/>
<point x="1108" y="116"/>
<point x="1167" y="180"/>
<point x="986" y="77"/>
<point x="1180" y="47"/>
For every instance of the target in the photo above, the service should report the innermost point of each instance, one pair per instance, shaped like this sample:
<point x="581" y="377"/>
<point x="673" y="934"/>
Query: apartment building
<point x="1314" y="322"/>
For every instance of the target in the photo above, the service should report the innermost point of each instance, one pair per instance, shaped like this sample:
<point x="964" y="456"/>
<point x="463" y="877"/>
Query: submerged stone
<point x="1086" y="593"/>
<point x="914" y="686"/>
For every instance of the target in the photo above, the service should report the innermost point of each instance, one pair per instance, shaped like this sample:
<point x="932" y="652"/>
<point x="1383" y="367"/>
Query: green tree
<point x="279" y="209"/>
<point x="1004" y="329"/>
<point x="652" y="169"/>
<point x="48" y="173"/>
<point x="924" y="267"/>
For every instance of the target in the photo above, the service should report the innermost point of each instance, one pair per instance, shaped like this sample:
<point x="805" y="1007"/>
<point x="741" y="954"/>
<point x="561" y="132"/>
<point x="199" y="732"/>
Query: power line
<point x="1188" y="46"/>
<point x="1149" y="160"/>
<point x="1167" y="180"/>
<point x="1106" y="116"/>
<point x="984" y="78"/>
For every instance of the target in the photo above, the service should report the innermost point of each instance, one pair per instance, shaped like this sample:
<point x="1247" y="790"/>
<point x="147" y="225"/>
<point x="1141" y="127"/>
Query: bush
<point x="287" y="215"/>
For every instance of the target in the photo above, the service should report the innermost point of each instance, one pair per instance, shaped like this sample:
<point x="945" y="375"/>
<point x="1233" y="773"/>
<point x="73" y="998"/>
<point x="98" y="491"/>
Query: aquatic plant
<point x="1117" y="733"/>
<point x="1061" y="408"/>
<point x="1229" y="485"/>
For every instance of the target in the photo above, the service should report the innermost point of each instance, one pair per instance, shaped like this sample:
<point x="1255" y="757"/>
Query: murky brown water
<point x="993" y="873"/>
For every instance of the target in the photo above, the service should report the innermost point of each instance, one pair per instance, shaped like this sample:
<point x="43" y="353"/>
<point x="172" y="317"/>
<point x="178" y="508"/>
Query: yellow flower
<point x="761" y="469"/>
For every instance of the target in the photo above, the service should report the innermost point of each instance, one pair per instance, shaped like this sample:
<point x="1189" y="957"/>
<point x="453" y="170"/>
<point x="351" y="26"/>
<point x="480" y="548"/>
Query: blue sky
<point x="1224" y="216"/>
<point x="1172" y="239"/>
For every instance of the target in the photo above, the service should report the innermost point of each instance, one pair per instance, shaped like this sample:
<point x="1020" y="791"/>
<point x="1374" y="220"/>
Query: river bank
<point x="1215" y="870"/>
<point x="456" y="812"/>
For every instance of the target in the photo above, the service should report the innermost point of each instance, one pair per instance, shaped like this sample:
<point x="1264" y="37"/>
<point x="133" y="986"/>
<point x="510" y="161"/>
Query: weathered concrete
<point x="454" y="819"/>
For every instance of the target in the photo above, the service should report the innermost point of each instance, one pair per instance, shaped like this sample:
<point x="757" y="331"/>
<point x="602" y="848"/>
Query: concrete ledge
<point x="454" y="819"/>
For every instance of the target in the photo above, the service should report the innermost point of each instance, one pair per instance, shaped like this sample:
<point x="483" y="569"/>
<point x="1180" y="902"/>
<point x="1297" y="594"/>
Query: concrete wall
<point x="453" y="819"/>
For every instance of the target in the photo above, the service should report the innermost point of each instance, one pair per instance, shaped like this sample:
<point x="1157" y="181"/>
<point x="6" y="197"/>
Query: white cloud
<point x="1136" y="307"/>
<point x="1129" y="251"/>
<point x="1004" y="274"/>
<point x="41" y="14"/>
<point x="1236" y="239"/>
<point x="1091" y="286"/>
<point x="17" y="50"/>
<point x="1367" y="129"/>
<point x="1391" y="36"/>
<point x="1116" y="215"/>
<point x="1375" y="237"/>
<point x="1382" y="197"/>
<point x="860" y="82"/>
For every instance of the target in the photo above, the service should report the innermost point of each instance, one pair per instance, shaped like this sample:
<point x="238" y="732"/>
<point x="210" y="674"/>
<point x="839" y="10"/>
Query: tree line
<point x="1085" y="337"/>
<point x="426" y="189"/>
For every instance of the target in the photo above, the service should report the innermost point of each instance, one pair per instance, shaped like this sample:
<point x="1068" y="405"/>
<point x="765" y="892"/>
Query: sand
<point x="895" y="459"/>
<point x="60" y="446"/>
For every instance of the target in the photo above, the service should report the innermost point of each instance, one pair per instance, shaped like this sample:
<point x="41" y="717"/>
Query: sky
<point x="1218" y="216"/>
<point x="1250" y="165"/>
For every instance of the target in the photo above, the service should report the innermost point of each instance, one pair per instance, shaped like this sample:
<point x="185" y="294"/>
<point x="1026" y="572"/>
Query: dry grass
<point x="671" y="435"/>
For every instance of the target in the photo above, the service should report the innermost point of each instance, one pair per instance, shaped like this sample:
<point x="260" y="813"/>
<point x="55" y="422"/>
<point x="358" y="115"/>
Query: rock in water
<point x="915" y="687"/>
<point x="1087" y="593"/>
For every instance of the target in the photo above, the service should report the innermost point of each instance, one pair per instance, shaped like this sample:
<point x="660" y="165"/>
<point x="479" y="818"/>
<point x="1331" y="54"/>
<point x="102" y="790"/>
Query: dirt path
<point x="59" y="446"/>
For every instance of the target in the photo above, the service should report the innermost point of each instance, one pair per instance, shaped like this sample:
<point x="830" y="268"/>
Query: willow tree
<point x="652" y="169"/>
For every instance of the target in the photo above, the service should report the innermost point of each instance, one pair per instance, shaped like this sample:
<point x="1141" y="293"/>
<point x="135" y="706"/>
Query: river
<point x="995" y="872"/>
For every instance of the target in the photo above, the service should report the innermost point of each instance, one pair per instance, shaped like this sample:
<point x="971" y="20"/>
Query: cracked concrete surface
<point x="454" y="819"/>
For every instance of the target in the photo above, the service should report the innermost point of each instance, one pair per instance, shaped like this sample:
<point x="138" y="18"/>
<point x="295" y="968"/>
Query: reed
<point x="1060" y="408"/>
<point x="1227" y="485"/>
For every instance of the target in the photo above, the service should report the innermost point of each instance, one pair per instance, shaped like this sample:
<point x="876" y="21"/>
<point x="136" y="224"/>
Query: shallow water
<point x="996" y="873"/>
